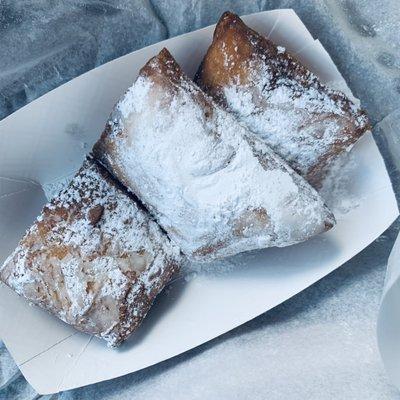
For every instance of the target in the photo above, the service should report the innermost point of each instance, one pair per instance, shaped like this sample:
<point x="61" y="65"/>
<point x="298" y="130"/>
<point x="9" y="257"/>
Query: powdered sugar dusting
<point x="300" y="125"/>
<point x="214" y="187"/>
<point x="304" y="121"/>
<point x="134" y="98"/>
<point x="280" y="49"/>
<point x="90" y="248"/>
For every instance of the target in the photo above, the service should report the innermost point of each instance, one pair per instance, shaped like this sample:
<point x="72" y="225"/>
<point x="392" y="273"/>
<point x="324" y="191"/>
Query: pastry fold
<point x="214" y="187"/>
<point x="93" y="258"/>
<point x="308" y="124"/>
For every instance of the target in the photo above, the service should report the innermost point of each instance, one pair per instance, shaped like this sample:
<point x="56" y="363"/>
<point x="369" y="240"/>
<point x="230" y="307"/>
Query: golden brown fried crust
<point x="230" y="33"/>
<point x="235" y="41"/>
<point x="163" y="65"/>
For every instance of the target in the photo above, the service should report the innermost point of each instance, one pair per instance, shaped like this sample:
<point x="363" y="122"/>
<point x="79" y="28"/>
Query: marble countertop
<point x="321" y="344"/>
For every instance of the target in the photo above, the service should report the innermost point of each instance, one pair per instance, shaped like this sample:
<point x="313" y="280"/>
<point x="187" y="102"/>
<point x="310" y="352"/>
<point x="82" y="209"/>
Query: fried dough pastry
<point x="93" y="258"/>
<point x="308" y="124"/>
<point x="215" y="188"/>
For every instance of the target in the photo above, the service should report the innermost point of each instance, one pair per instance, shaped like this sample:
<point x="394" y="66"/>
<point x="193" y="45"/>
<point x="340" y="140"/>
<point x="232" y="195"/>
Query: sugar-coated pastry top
<point x="215" y="188"/>
<point x="276" y="97"/>
<point x="93" y="257"/>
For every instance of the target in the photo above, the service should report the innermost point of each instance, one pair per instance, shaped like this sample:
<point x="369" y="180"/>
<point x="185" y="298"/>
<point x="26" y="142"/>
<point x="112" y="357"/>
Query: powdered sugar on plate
<point x="53" y="188"/>
<point x="337" y="186"/>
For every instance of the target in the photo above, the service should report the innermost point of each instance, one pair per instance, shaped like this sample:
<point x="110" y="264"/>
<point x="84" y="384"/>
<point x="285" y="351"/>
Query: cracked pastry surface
<point x="93" y="258"/>
<point x="308" y="124"/>
<point x="214" y="187"/>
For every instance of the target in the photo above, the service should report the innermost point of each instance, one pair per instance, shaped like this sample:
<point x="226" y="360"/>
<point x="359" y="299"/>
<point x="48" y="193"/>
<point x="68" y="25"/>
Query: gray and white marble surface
<point x="320" y="344"/>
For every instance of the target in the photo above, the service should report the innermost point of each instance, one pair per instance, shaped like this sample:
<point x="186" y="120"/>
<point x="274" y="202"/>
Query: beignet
<point x="215" y="188"/>
<point x="93" y="258"/>
<point x="308" y="124"/>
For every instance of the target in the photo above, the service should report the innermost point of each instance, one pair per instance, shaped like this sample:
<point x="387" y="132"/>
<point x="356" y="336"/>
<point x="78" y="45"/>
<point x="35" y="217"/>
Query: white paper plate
<point x="47" y="140"/>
